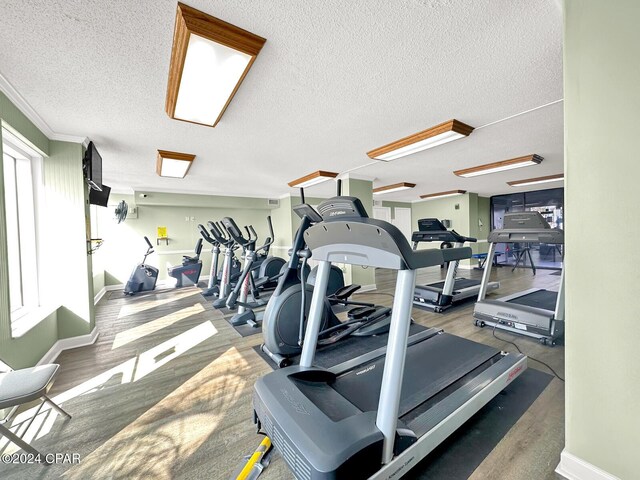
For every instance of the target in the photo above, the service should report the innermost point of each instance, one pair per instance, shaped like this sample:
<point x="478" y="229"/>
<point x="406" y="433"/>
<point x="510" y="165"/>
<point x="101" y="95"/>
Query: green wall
<point x="464" y="219"/>
<point x="601" y="108"/>
<point x="19" y="124"/>
<point x="69" y="266"/>
<point x="124" y="246"/>
<point x="64" y="263"/>
<point x="444" y="208"/>
<point x="394" y="205"/>
<point x="363" y="189"/>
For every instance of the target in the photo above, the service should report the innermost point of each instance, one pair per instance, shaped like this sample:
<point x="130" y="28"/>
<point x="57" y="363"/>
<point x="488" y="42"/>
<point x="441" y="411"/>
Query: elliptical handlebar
<point x="234" y="232"/>
<point x="270" y="239"/>
<point x="205" y="234"/>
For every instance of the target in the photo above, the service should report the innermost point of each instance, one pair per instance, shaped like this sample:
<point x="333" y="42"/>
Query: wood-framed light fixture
<point x="209" y="60"/>
<point x="449" y="193"/>
<point x="173" y="164"/>
<point x="535" y="181"/>
<point x="501" y="166"/>
<point x="396" y="187"/>
<point x="429" y="138"/>
<point x="312" y="179"/>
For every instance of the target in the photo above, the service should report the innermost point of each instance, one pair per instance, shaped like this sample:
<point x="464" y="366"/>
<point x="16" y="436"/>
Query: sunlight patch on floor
<point x="130" y="371"/>
<point x="153" y="302"/>
<point x="135" y="333"/>
<point x="156" y="444"/>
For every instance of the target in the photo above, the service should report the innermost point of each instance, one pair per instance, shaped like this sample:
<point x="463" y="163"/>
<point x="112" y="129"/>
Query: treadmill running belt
<point x="544" y="299"/>
<point x="430" y="366"/>
<point x="459" y="284"/>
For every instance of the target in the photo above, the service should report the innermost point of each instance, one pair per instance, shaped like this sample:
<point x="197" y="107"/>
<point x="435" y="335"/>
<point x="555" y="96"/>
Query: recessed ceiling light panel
<point x="538" y="180"/>
<point x="173" y="164"/>
<point x="432" y="137"/>
<point x="396" y="187"/>
<point x="209" y="60"/>
<point x="450" y="193"/>
<point x="313" y="179"/>
<point x="499" y="166"/>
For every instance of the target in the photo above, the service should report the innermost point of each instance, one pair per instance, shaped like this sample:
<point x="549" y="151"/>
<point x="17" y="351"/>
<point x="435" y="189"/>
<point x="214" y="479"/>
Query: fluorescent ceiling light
<point x="173" y="164"/>
<point x="500" y="166"/>
<point x="432" y="137"/>
<point x="396" y="187"/>
<point x="209" y="60"/>
<point x="313" y="179"/>
<point x="450" y="193"/>
<point x="535" y="181"/>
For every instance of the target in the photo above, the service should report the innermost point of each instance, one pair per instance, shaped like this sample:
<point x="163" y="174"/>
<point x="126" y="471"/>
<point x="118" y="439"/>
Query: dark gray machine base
<point x="330" y="416"/>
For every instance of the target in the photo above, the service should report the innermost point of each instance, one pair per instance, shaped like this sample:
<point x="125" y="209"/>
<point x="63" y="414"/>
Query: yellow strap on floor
<point x="264" y="447"/>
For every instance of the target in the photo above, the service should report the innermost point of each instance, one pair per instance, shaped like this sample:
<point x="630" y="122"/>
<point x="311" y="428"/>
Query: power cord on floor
<point x="493" y="332"/>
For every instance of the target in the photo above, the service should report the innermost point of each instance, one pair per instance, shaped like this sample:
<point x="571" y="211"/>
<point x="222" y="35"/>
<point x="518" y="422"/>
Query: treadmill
<point x="438" y="296"/>
<point x="536" y="313"/>
<point x="376" y="415"/>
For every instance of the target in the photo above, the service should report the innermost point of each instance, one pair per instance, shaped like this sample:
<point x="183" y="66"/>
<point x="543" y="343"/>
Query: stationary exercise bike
<point x="144" y="277"/>
<point x="188" y="273"/>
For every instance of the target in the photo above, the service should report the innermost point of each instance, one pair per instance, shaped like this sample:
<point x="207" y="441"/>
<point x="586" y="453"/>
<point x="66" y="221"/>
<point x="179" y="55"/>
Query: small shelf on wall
<point x="162" y="239"/>
<point x="93" y="245"/>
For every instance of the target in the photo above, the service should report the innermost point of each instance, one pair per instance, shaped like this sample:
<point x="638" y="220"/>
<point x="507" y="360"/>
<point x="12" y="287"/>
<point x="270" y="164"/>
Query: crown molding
<point x="21" y="104"/>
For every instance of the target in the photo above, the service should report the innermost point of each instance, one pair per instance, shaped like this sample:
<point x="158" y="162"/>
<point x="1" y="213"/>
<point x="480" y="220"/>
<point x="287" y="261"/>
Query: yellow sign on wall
<point x="162" y="232"/>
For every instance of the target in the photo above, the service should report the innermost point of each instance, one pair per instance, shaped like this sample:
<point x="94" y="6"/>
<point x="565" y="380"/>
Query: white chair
<point x="18" y="387"/>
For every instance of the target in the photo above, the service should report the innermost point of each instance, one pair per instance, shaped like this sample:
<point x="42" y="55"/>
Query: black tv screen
<point x="93" y="167"/>
<point x="100" y="198"/>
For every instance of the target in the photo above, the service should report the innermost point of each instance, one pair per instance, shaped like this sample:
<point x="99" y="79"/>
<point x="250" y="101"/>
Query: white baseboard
<point x="574" y="468"/>
<point x="99" y="295"/>
<point x="368" y="288"/>
<point x="67" y="343"/>
<point x="111" y="288"/>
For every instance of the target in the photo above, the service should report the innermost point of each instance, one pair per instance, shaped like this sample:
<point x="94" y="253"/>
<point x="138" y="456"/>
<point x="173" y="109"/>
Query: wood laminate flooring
<point x="165" y="392"/>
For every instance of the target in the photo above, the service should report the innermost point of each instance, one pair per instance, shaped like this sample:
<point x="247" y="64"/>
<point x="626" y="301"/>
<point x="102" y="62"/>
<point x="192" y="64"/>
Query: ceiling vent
<point x="273" y="202"/>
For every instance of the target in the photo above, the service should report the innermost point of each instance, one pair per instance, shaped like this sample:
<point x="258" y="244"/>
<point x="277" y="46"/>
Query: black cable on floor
<point x="493" y="331"/>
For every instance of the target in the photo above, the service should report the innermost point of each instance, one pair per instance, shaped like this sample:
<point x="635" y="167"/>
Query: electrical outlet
<point x="186" y="219"/>
<point x="193" y="219"/>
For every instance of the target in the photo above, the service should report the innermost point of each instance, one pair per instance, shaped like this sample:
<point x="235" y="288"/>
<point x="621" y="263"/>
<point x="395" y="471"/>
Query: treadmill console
<point x="306" y="209"/>
<point x="524" y="220"/>
<point x="342" y="208"/>
<point x="431" y="225"/>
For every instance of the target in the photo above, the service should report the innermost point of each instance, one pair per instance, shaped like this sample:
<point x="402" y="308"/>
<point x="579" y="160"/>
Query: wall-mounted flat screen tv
<point x="93" y="167"/>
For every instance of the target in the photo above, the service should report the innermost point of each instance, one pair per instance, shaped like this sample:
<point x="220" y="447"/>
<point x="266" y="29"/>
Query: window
<point x="550" y="203"/>
<point x="20" y="173"/>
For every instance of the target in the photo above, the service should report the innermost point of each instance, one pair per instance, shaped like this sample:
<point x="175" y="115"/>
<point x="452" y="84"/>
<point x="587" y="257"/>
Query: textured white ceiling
<point x="335" y="79"/>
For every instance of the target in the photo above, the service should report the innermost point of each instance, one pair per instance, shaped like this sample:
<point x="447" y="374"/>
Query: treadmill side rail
<point x="512" y="366"/>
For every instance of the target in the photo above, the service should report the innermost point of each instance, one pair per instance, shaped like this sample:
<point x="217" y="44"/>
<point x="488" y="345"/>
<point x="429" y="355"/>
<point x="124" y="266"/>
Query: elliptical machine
<point x="212" y="286"/>
<point x="284" y="321"/>
<point x="229" y="265"/>
<point x="239" y="295"/>
<point x="144" y="277"/>
<point x="267" y="269"/>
